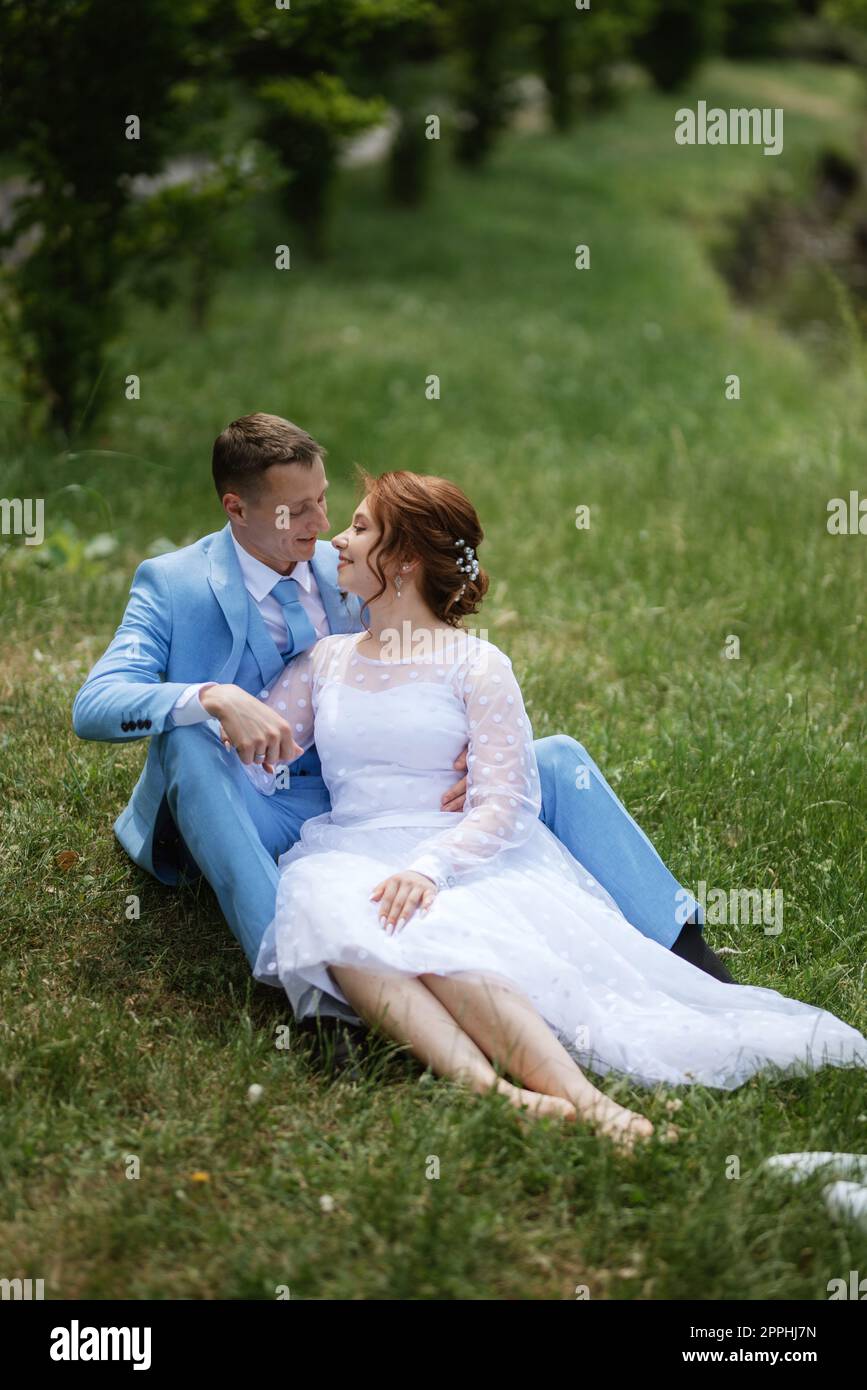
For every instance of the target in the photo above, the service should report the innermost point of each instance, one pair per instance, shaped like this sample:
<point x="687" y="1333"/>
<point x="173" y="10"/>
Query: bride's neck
<point x="384" y="619"/>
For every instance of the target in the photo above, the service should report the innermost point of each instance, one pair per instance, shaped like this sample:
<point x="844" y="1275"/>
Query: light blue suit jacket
<point x="189" y="618"/>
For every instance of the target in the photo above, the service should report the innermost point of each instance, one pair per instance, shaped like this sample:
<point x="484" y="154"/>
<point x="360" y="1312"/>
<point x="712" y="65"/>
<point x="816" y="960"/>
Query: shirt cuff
<point x="430" y="866"/>
<point x="188" y="708"/>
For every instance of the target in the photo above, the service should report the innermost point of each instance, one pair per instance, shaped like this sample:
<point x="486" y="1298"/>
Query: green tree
<point x="482" y="37"/>
<point x="679" y="37"/>
<point x="318" y="74"/>
<point x="76" y="75"/>
<point x="576" y="50"/>
<point x="305" y="119"/>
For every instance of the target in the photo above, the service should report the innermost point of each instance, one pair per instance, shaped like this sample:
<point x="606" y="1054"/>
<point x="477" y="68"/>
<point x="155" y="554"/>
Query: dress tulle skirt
<point x="536" y="920"/>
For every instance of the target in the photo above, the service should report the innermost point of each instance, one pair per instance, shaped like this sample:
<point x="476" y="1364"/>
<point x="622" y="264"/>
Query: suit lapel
<point x="227" y="583"/>
<point x="262" y="644"/>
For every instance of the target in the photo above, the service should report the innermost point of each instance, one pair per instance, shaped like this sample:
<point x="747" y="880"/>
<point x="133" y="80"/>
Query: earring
<point x="397" y="583"/>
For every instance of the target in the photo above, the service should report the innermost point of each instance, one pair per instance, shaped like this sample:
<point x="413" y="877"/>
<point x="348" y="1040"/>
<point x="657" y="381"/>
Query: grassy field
<point x="559" y="387"/>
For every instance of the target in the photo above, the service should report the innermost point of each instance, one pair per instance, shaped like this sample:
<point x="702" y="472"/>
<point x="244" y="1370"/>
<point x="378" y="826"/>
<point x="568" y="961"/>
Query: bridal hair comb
<point x="469" y="564"/>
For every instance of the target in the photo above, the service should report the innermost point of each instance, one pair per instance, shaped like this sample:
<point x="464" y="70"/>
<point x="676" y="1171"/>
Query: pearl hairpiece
<point x="469" y="564"/>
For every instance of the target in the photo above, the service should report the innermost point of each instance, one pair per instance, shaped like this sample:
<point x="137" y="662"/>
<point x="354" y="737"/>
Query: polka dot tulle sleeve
<point x="291" y="695"/>
<point x="503" y="793"/>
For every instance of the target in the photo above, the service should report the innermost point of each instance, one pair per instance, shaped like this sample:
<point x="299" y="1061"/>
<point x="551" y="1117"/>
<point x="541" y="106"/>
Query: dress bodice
<point x="389" y="752"/>
<point x="388" y="734"/>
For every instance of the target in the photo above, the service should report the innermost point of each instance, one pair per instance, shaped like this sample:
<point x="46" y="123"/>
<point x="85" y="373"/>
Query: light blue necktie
<point x="302" y="633"/>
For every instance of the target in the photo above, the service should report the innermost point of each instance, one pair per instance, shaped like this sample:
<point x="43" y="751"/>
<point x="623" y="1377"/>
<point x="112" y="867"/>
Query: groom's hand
<point x="251" y="726"/>
<point x="453" y="800"/>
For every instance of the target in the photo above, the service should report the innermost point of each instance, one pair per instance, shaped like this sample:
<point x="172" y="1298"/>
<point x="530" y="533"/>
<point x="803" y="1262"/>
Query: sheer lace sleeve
<point x="291" y="694"/>
<point x="503" y="792"/>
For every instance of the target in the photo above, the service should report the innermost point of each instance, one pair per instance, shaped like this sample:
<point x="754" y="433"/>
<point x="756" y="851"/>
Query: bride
<point x="477" y="939"/>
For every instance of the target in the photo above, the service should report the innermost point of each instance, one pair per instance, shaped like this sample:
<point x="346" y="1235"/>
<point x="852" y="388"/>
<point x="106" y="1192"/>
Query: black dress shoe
<point x="336" y="1043"/>
<point x="691" y="946"/>
<point x="350" y="1049"/>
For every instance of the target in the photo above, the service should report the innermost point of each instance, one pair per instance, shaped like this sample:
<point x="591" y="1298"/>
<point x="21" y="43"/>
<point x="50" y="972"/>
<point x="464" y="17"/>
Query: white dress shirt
<point x="259" y="580"/>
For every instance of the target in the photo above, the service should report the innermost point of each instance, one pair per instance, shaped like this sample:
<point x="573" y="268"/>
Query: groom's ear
<point x="234" y="506"/>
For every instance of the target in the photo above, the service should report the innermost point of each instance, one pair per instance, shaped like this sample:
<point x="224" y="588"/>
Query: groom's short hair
<point x="253" y="444"/>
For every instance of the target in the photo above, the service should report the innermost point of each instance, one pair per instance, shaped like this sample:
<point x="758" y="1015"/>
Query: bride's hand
<point x="401" y="894"/>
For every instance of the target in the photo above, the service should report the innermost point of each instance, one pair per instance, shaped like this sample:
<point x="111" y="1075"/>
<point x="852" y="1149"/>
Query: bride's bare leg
<point x="509" y="1029"/>
<point x="401" y="1007"/>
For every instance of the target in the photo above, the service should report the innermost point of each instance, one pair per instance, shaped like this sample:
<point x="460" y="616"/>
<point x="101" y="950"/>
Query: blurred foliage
<point x="681" y="35"/>
<point x="317" y="75"/>
<point x="65" y="548"/>
<point x="239" y="98"/>
<point x="415" y="93"/>
<point x="72" y="73"/>
<point x="852" y="12"/>
<point x="482" y="36"/>
<point x="304" y="120"/>
<point x="576" y="51"/>
<point x="753" y="27"/>
<point x="183" y="237"/>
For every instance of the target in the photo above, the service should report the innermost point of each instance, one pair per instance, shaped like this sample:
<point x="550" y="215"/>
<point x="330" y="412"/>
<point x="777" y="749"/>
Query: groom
<point x="206" y="627"/>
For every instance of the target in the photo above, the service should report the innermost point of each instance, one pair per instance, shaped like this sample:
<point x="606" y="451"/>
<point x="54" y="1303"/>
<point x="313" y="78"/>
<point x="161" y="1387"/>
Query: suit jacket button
<point x="139" y="723"/>
<point x="147" y="723"/>
<point x="124" y="726"/>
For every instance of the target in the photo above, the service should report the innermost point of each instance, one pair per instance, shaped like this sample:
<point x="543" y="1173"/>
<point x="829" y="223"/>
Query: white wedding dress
<point x="512" y="902"/>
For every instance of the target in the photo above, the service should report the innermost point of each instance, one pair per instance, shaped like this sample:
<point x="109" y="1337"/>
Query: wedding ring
<point x="259" y="758"/>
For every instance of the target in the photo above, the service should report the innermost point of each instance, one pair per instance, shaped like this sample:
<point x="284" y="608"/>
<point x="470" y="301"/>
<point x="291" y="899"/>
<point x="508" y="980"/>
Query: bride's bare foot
<point x="535" y="1103"/>
<point x="617" y="1123"/>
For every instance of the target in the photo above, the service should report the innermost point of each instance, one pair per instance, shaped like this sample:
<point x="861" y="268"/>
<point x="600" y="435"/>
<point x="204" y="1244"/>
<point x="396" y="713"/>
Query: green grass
<point x="559" y="387"/>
